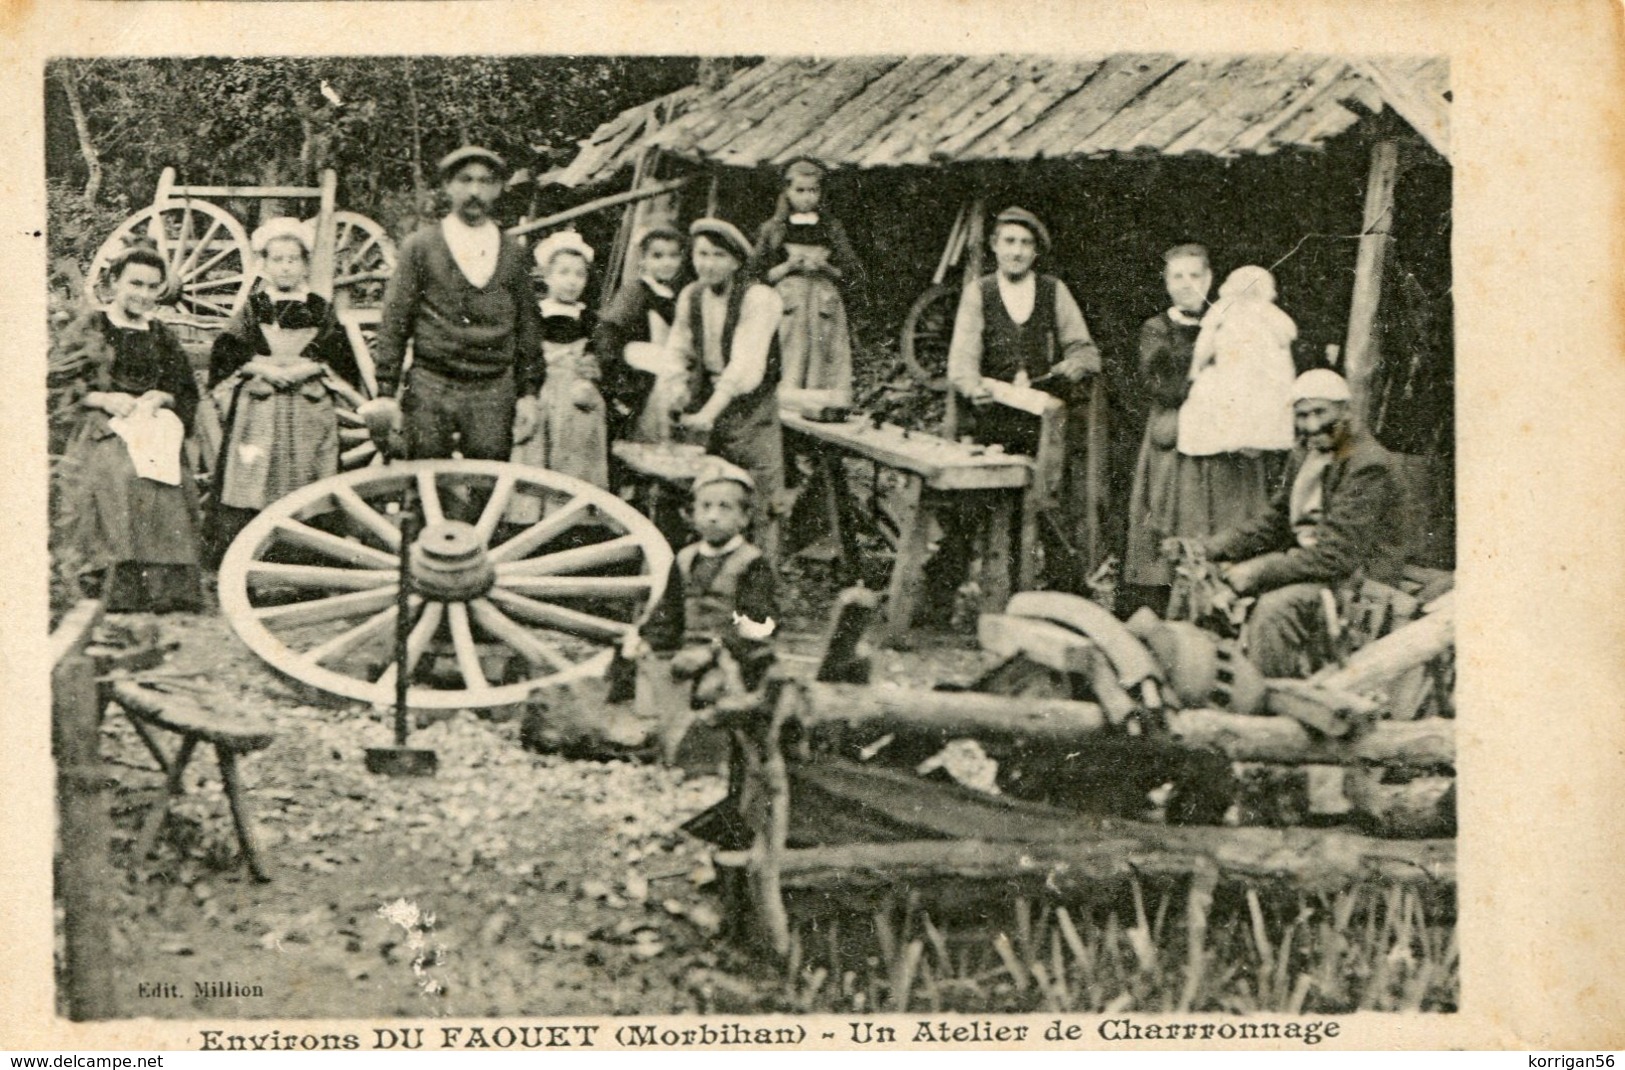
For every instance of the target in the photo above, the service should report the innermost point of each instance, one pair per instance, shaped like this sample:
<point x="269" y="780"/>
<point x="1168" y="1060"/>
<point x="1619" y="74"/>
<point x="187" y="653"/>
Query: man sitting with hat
<point x="462" y="294"/>
<point x="1337" y="517"/>
<point x="717" y="617"/>
<point x="1018" y="326"/>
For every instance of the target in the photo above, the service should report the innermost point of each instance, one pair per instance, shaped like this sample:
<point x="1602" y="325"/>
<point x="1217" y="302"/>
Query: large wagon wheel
<point x="927" y="331"/>
<point x="210" y="268"/>
<point x="363" y="260"/>
<point x="310" y="585"/>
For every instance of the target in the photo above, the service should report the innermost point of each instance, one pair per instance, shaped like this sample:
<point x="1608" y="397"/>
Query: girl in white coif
<point x="1240" y="399"/>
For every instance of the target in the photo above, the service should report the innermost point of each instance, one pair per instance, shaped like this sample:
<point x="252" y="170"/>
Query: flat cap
<point x="717" y="470"/>
<point x="451" y="161"/>
<point x="724" y="234"/>
<point x="1024" y="218"/>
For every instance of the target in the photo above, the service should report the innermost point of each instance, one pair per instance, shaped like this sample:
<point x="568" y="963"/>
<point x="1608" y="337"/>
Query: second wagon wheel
<point x="210" y="267"/>
<point x="363" y="260"/>
<point x="927" y="331"/>
<point x="499" y="608"/>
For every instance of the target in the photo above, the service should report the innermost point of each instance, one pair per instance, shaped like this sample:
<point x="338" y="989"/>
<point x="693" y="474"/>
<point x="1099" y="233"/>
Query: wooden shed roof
<point x="891" y="111"/>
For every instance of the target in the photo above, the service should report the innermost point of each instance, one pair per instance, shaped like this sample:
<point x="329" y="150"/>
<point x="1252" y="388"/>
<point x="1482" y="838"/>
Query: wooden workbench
<point x="941" y="478"/>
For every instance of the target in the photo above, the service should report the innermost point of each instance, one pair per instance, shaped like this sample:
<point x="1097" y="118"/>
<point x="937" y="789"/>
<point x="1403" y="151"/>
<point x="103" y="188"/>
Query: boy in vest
<point x="462" y="295"/>
<point x="720" y="608"/>
<point x="1017" y="326"/>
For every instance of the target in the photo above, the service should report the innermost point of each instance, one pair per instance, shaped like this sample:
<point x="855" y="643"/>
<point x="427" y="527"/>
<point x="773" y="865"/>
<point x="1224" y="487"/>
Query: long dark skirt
<point x="1192" y="497"/>
<point x="136" y="539"/>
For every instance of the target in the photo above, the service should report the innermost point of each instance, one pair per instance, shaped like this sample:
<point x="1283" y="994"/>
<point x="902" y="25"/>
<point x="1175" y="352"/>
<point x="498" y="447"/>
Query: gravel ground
<point x="509" y="884"/>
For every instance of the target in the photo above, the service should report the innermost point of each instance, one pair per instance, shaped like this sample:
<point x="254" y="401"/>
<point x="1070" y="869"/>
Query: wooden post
<point x="975" y="237"/>
<point x="85" y="829"/>
<point x="1360" y="353"/>
<point x="322" y="257"/>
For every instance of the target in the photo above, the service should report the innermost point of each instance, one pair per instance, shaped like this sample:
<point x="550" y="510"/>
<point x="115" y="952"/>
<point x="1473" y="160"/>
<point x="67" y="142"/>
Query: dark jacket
<point x="1361" y="528"/>
<point x="457" y="329"/>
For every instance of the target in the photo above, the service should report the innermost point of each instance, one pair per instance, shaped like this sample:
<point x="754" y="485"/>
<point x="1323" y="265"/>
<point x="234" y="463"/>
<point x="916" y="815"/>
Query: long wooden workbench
<point x="942" y="478"/>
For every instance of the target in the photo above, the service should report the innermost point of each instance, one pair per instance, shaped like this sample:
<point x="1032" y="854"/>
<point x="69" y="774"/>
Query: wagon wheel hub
<point x="449" y="563"/>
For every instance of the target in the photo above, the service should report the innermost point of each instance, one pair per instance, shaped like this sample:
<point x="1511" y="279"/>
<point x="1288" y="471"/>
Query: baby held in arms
<point x="1241" y="372"/>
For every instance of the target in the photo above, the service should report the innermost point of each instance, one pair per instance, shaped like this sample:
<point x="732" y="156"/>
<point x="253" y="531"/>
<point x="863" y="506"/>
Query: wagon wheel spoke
<point x="356" y="456"/>
<point x="186" y="267"/>
<point x="538" y="652"/>
<point x="193" y="299"/>
<point x="214" y="284"/>
<point x="318" y="577"/>
<point x="429" y="497"/>
<point x="178" y="246"/>
<point x="570" y="621"/>
<point x="215" y="259"/>
<point x="370" y="519"/>
<point x="578" y="586"/>
<point x="353" y="396"/>
<point x="417" y="641"/>
<point x="598" y="555"/>
<point x="462" y="644"/>
<point x="356" y="553"/>
<point x="348" y="642"/>
<point x="495" y="507"/>
<point x="549" y="527"/>
<point x="318" y="610"/>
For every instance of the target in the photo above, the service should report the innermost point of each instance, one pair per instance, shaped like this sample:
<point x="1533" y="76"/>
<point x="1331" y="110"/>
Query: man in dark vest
<point x="462" y="295"/>
<point x="725" y="331"/>
<point x="1017" y="326"/>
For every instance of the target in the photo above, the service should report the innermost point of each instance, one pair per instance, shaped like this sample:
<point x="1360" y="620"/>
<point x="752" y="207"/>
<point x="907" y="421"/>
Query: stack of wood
<point x="826" y="794"/>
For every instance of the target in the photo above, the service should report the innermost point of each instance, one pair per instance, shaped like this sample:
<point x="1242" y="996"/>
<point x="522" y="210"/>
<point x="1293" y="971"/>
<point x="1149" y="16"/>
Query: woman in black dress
<point x="131" y="504"/>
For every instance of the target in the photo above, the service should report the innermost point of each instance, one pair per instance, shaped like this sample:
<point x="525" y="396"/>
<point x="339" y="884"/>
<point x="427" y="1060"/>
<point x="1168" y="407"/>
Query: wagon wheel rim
<point x="363" y="260"/>
<point x="490" y="596"/>
<point x="927" y="331"/>
<point x="205" y="248"/>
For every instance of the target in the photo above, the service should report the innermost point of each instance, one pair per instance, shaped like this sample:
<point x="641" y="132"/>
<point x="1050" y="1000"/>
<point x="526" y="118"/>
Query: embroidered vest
<point x="708" y="609"/>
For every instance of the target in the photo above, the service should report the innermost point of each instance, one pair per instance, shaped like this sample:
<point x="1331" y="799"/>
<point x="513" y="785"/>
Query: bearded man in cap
<point x="462" y="295"/>
<point x="1017" y="325"/>
<point x="1336" y="518"/>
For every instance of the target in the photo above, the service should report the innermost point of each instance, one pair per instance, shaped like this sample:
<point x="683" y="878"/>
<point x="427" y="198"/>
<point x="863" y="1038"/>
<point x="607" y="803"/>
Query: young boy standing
<point x="462" y="295"/>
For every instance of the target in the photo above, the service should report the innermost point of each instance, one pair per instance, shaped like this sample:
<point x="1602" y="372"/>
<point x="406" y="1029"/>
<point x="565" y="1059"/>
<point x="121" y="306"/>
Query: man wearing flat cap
<point x="1337" y="518"/>
<point x="462" y="295"/>
<point x="1019" y="326"/>
<point x="725" y="331"/>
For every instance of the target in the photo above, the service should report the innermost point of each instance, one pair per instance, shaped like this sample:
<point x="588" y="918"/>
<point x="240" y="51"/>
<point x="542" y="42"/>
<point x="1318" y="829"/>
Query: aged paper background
<point x="1539" y="168"/>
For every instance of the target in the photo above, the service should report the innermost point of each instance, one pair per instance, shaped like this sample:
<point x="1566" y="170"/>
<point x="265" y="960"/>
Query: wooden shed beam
<point x="1361" y="350"/>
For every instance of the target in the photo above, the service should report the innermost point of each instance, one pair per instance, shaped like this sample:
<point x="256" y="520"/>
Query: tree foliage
<point x="381" y="122"/>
